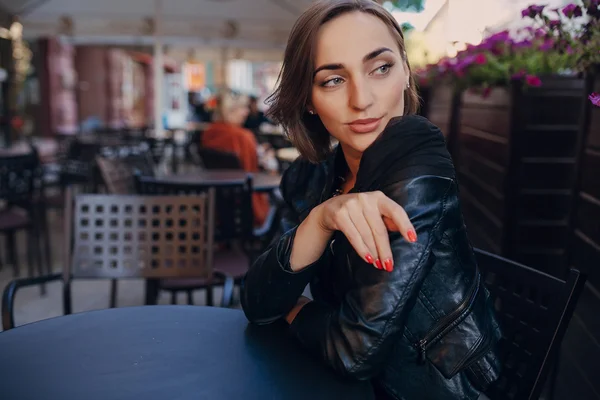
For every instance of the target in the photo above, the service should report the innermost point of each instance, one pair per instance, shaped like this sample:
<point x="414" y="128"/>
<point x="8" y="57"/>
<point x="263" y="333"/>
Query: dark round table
<point x="162" y="352"/>
<point x="261" y="181"/>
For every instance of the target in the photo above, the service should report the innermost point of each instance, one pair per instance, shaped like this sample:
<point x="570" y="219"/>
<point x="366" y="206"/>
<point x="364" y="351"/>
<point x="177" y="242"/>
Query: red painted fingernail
<point x="412" y="236"/>
<point x="388" y="264"/>
<point x="378" y="264"/>
<point x="369" y="258"/>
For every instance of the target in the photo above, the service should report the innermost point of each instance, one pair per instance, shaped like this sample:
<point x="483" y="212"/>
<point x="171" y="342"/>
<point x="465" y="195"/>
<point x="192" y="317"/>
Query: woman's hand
<point x="365" y="219"/>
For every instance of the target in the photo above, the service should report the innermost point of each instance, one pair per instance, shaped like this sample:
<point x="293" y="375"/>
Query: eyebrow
<point x="368" y="57"/>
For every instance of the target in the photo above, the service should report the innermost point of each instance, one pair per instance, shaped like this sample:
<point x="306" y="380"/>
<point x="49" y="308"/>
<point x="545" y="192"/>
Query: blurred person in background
<point x="255" y="117"/>
<point x="226" y="133"/>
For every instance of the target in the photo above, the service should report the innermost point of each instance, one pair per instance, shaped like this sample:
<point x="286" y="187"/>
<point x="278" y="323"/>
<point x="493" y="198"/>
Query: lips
<point x="364" y="125"/>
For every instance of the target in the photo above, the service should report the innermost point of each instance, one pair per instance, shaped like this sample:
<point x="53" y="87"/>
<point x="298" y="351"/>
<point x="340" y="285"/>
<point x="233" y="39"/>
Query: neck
<point x="353" y="160"/>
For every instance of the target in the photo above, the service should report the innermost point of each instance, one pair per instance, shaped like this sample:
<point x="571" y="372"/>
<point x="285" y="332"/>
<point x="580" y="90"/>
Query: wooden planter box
<point x="516" y="154"/>
<point x="586" y="219"/>
<point x="577" y="378"/>
<point x="440" y="105"/>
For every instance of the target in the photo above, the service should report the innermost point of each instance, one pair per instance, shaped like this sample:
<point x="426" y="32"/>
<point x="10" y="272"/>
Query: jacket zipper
<point x="447" y="322"/>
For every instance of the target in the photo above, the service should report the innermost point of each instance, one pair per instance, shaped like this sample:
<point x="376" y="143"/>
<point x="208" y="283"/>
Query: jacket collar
<point x="407" y="141"/>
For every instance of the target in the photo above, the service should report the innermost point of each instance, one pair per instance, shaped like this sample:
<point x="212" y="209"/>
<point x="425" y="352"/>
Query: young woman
<point x="375" y="223"/>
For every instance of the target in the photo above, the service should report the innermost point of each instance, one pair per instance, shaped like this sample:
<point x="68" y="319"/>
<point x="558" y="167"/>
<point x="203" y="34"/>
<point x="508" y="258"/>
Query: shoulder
<point x="424" y="189"/>
<point x="428" y="199"/>
<point x="246" y="134"/>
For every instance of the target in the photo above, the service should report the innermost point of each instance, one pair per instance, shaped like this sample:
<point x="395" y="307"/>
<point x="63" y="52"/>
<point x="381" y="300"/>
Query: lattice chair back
<point x="117" y="236"/>
<point x="20" y="175"/>
<point x="234" y="217"/>
<point x="117" y="176"/>
<point x="534" y="310"/>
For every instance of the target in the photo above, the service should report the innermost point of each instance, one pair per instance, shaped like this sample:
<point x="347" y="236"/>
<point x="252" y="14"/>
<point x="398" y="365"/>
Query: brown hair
<point x="288" y="102"/>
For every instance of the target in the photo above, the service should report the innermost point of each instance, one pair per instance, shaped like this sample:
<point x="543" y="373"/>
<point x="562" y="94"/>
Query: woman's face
<point x="237" y="114"/>
<point x="359" y="79"/>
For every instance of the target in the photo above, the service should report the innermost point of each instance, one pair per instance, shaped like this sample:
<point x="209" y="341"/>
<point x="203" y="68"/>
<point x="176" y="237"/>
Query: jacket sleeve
<point x="356" y="337"/>
<point x="270" y="288"/>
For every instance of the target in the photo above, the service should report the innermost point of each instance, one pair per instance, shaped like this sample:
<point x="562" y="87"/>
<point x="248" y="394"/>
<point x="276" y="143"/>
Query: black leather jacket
<point x="424" y="331"/>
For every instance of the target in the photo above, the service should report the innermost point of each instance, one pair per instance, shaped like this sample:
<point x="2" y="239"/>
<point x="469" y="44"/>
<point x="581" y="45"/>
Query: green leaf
<point x="409" y="5"/>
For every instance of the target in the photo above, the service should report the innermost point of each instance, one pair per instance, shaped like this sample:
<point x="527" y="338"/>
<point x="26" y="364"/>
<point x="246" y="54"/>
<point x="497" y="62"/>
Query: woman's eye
<point x="332" y="82"/>
<point x="384" y="69"/>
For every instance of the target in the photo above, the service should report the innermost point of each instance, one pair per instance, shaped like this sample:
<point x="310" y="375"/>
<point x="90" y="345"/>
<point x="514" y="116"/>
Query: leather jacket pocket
<point x="461" y="337"/>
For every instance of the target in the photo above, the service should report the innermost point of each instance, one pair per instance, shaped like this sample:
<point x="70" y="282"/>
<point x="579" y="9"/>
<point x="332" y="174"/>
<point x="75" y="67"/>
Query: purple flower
<point x="547" y="45"/>
<point x="595" y="99"/>
<point x="523" y="44"/>
<point x="572" y="10"/>
<point x="532" y="11"/>
<point x="532" y="80"/>
<point x="499" y="37"/>
<point x="519" y="75"/>
<point x="554" y="23"/>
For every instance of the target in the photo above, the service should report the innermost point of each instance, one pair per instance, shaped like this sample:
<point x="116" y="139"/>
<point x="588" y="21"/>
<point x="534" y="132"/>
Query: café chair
<point x="130" y="236"/>
<point x="234" y="232"/>
<point x="534" y="310"/>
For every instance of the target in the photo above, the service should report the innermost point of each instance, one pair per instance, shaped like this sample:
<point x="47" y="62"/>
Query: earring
<point x="311" y="112"/>
<point x="408" y="85"/>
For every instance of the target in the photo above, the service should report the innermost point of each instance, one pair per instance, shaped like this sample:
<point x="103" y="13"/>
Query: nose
<point x="361" y="96"/>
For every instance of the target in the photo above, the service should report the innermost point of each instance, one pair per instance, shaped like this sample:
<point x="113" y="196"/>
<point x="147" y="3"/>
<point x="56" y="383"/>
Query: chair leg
<point x="36" y="249"/>
<point x="190" y="298"/>
<point x="152" y="291"/>
<point x="67" y="309"/>
<point x="45" y="236"/>
<point x="173" y="297"/>
<point x="30" y="253"/>
<point x="209" y="296"/>
<point x="11" y="253"/>
<point x="113" y="293"/>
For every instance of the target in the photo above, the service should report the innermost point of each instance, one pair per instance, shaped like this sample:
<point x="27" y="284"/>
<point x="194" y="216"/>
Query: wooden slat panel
<point x="586" y="257"/>
<point x="492" y="200"/>
<point x="584" y="350"/>
<point x="571" y="383"/>
<point x="549" y="143"/>
<point x="546" y="176"/>
<point x="481" y="168"/>
<point x="546" y="206"/>
<point x="590" y="173"/>
<point x="542" y="235"/>
<point x="484" y="144"/>
<point x="492" y="120"/>
<point x="587" y="219"/>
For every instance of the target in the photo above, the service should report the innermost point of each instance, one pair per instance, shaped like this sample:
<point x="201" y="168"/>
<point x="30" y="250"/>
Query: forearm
<point x="271" y="288"/>
<point x="310" y="241"/>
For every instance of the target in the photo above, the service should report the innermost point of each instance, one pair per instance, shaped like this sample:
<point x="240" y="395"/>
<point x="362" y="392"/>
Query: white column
<point x="159" y="75"/>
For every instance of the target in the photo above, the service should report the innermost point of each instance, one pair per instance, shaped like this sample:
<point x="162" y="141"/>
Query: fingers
<point x="392" y="210"/>
<point x="347" y="227"/>
<point x="357" y="216"/>
<point x="380" y="236"/>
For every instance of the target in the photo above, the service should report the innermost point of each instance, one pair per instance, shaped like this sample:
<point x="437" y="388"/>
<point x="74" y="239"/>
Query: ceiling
<point x="201" y="23"/>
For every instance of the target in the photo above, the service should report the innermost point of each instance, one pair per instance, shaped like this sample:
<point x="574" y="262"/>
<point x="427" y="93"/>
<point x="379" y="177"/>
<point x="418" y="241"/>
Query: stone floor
<point x="31" y="306"/>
